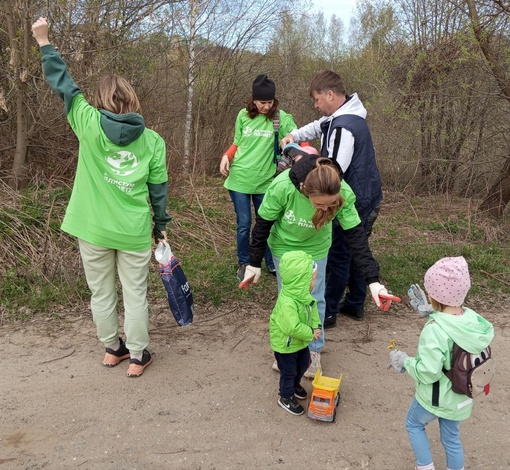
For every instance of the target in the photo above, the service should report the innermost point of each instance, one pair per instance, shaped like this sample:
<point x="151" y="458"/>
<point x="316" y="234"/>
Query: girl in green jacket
<point x="447" y="283"/>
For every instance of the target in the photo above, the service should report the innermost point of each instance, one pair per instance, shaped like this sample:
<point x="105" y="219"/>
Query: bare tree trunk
<point x="498" y="196"/>
<point x="18" y="12"/>
<point x="19" y="168"/>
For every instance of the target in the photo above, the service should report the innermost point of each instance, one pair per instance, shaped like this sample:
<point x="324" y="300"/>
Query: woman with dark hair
<point x="297" y="214"/>
<point x="249" y="165"/>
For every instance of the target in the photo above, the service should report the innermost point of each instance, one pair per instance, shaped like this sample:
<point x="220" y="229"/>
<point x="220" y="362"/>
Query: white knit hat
<point x="448" y="282"/>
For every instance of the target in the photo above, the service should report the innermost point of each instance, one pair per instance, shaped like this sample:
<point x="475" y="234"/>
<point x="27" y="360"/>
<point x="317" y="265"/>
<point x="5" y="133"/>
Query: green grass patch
<point x="406" y="266"/>
<point x="41" y="270"/>
<point x="26" y="295"/>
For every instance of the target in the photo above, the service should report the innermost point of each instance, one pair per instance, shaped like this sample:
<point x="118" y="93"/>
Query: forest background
<point x="433" y="74"/>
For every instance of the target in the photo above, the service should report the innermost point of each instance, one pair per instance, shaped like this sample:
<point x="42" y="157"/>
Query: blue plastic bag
<point x="178" y="291"/>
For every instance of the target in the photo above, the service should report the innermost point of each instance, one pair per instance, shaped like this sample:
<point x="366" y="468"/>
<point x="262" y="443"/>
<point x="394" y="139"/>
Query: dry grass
<point x="41" y="266"/>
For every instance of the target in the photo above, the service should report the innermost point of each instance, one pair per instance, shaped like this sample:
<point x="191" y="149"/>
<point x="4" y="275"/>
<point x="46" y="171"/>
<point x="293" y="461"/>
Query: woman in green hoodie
<point x="447" y="283"/>
<point x="296" y="214"/>
<point x="121" y="164"/>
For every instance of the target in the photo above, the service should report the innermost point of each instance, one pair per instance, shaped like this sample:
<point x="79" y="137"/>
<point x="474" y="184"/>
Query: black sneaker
<point x="113" y="358"/>
<point x="300" y="393"/>
<point x="291" y="405"/>
<point x="329" y="321"/>
<point x="137" y="367"/>
<point x="272" y="271"/>
<point x="240" y="272"/>
<point x="356" y="313"/>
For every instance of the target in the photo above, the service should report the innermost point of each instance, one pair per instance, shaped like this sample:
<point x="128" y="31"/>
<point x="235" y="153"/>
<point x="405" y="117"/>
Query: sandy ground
<point x="209" y="400"/>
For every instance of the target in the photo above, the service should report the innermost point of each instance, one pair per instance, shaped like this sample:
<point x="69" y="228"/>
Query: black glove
<point x="157" y="235"/>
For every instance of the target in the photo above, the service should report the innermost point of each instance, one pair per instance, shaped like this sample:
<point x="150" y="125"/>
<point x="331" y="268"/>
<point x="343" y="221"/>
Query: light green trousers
<point x="100" y="265"/>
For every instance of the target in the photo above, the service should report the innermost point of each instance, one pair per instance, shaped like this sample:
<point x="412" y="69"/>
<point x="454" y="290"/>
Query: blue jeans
<point x="342" y="271"/>
<point x="315" y="345"/>
<point x="416" y="420"/>
<point x="292" y="368"/>
<point x="242" y="208"/>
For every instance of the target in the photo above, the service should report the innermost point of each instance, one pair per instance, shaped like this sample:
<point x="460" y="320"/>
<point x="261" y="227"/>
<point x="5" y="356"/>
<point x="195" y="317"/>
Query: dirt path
<point x="209" y="399"/>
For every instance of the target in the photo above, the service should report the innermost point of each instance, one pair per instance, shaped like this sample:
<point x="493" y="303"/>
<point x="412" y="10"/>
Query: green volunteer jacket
<point x="121" y="164"/>
<point x="253" y="167"/>
<point x="295" y="315"/>
<point x="292" y="212"/>
<point x="471" y="332"/>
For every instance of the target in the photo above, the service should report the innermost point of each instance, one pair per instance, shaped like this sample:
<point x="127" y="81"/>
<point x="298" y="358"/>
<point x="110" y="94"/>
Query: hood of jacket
<point x="300" y="169"/>
<point x="352" y="105"/>
<point x="296" y="271"/>
<point x="470" y="331"/>
<point x="122" y="129"/>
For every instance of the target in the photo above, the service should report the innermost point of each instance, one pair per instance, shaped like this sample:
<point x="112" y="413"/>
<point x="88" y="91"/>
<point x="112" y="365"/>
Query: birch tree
<point x="217" y="38"/>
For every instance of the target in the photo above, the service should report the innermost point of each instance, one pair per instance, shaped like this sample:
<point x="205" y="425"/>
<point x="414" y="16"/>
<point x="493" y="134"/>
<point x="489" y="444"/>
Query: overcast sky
<point x="343" y="9"/>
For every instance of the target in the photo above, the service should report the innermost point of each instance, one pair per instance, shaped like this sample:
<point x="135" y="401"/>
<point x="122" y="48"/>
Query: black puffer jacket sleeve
<point x="361" y="254"/>
<point x="259" y="236"/>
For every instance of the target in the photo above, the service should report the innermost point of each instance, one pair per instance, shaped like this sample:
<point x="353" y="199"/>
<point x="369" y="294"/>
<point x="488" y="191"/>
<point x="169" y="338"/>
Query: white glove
<point x="419" y="300"/>
<point x="376" y="289"/>
<point x="397" y="359"/>
<point x="252" y="272"/>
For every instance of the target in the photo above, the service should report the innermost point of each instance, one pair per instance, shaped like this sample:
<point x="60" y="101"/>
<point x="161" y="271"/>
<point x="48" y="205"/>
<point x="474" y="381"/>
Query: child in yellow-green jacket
<point x="294" y="322"/>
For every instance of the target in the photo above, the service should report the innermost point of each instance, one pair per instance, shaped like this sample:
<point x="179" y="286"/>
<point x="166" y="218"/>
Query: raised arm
<point x="55" y="69"/>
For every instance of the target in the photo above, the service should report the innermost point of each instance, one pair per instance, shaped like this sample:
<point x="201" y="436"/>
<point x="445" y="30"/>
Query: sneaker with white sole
<point x="300" y="393"/>
<point x="113" y="358"/>
<point x="137" y="367"/>
<point x="315" y="364"/>
<point x="291" y="405"/>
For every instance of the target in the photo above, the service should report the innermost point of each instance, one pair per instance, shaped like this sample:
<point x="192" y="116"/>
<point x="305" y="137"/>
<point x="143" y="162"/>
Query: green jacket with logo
<point x="253" y="167"/>
<point x="284" y="222"/>
<point x="121" y="165"/>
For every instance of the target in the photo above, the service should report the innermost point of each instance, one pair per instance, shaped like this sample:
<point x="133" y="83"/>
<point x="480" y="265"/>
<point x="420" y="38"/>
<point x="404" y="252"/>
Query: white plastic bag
<point x="163" y="253"/>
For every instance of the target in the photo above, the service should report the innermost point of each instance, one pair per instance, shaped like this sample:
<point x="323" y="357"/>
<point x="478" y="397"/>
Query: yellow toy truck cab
<point x="325" y="397"/>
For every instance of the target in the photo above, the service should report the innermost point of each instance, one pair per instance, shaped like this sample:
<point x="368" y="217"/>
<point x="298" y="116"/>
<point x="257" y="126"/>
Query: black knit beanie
<point x="264" y="88"/>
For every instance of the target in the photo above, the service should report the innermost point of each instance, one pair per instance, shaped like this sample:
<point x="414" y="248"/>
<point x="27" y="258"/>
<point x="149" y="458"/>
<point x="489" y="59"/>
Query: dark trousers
<point x="292" y="368"/>
<point x="342" y="271"/>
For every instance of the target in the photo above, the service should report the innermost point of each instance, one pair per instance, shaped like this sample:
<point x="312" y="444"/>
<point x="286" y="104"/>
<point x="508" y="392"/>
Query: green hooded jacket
<point x="121" y="167"/>
<point x="471" y="332"/>
<point x="295" y="314"/>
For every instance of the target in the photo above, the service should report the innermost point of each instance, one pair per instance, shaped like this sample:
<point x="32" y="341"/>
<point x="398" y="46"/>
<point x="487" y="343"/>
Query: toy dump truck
<point x="325" y="397"/>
